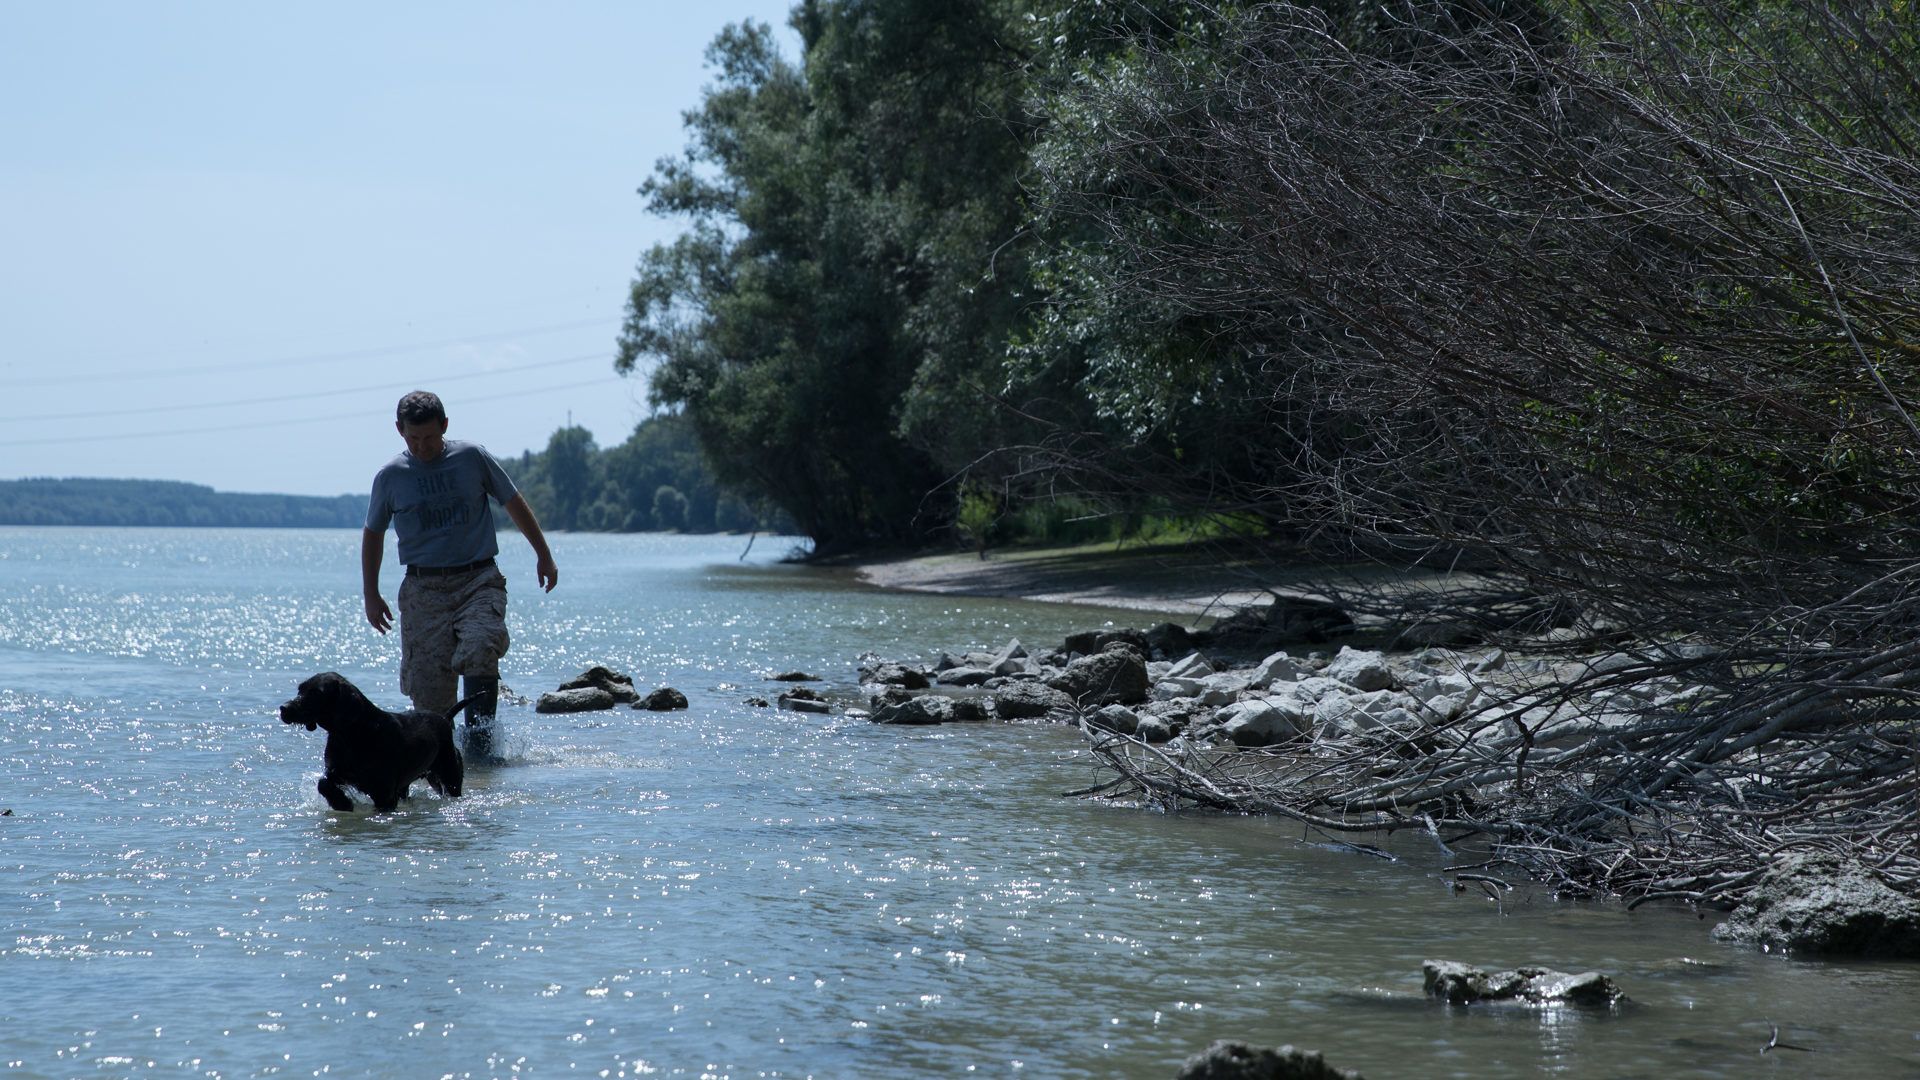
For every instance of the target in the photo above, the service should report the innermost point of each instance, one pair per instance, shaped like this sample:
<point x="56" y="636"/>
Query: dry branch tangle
<point x="1622" y="301"/>
<point x="1681" y="795"/>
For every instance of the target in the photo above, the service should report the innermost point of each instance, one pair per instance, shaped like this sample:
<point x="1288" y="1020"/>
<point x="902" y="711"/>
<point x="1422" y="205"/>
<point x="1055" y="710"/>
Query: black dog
<point x="382" y="753"/>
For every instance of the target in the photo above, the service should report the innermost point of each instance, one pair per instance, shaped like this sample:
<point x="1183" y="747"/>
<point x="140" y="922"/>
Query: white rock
<point x="1221" y="688"/>
<point x="1365" y="712"/>
<point x="1313" y="688"/>
<point x="1153" y="729"/>
<point x="1681" y="699"/>
<point x="1010" y="660"/>
<point x="1263" y="721"/>
<point x="1450" y="684"/>
<point x="1192" y="666"/>
<point x="1360" y="669"/>
<point x="1612" y="662"/>
<point x="1622" y="697"/>
<point x="1278" y="668"/>
<point x="1169" y="688"/>
<point x="1117" y="718"/>
<point x="1435" y="658"/>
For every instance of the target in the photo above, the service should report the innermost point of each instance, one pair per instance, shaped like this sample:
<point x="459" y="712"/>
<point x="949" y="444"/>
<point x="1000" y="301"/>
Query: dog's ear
<point x="341" y="694"/>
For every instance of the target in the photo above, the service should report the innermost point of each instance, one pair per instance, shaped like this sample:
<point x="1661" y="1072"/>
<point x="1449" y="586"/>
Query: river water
<point x="725" y="891"/>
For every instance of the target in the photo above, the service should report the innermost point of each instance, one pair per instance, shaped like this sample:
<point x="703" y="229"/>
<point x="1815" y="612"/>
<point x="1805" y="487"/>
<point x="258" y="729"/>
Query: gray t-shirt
<point x="439" y="508"/>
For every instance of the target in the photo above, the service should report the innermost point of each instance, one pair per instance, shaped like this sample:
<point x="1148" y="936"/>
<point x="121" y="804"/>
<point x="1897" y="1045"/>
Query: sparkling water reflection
<point x="725" y="891"/>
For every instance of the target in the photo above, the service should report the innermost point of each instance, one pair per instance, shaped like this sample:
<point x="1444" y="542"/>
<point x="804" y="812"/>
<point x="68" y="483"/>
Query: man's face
<point x="425" y="440"/>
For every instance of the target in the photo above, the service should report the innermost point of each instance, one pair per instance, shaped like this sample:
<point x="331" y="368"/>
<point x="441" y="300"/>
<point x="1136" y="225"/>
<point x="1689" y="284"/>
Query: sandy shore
<point x="1188" y="581"/>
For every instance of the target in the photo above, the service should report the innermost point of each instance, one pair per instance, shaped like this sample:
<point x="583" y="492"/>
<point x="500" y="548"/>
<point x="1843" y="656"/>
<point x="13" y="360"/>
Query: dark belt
<point x="448" y="571"/>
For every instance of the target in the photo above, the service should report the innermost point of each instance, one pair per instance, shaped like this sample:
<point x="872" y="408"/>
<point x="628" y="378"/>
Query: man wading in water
<point x="453" y="601"/>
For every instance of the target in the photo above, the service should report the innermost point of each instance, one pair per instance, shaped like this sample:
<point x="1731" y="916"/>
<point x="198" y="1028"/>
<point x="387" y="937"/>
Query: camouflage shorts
<point x="449" y="627"/>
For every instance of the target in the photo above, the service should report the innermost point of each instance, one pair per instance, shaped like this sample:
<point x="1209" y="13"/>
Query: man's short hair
<point x="420" y="407"/>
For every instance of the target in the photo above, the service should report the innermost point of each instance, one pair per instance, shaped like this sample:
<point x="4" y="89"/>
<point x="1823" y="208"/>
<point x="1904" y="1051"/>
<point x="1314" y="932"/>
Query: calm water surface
<point x="725" y="891"/>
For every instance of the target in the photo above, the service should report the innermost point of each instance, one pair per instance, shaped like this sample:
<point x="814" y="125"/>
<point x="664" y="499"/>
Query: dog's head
<point x="322" y="699"/>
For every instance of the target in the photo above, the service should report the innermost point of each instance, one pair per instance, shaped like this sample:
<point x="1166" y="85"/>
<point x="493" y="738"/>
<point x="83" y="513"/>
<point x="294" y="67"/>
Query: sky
<point x="233" y="234"/>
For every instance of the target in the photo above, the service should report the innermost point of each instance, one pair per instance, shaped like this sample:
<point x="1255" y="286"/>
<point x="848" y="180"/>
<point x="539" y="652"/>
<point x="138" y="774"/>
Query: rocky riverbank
<point x="1491" y="750"/>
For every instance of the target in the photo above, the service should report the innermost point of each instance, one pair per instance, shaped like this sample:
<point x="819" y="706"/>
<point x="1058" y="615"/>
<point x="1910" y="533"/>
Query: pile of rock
<point x="601" y="687"/>
<point x="1156" y="685"/>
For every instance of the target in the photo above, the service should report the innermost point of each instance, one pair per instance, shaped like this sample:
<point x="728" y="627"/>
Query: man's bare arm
<point x="372" y="551"/>
<point x="529" y="527"/>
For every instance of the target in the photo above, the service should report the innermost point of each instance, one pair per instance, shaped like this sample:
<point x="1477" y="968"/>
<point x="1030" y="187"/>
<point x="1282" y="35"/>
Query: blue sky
<point x="232" y="234"/>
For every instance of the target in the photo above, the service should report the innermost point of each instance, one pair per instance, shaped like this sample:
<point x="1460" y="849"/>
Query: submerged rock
<point x="577" y="699"/>
<point x="926" y="709"/>
<point x="1821" y="903"/>
<point x="794" y="676"/>
<point x="1463" y="984"/>
<point x="1229" y="1060"/>
<point x="662" y="700"/>
<point x="1029" y="701"/>
<point x="888" y="673"/>
<point x="605" y="678"/>
<point x="888" y="695"/>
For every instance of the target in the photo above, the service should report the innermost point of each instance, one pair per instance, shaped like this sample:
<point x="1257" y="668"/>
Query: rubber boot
<point x="485" y="692"/>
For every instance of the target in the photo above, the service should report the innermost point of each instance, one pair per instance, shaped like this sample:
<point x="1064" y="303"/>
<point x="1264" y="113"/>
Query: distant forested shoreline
<point x="82" y="501"/>
<point x="655" y="481"/>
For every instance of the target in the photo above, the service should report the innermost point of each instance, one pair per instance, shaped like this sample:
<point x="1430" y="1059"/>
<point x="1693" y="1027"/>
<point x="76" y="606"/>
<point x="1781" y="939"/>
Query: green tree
<point x="832" y="319"/>
<point x="569" y="473"/>
<point x="669" y="508"/>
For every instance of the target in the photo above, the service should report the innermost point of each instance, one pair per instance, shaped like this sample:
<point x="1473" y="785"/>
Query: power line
<point x="282" y="422"/>
<point x="142" y="374"/>
<point x="307" y="396"/>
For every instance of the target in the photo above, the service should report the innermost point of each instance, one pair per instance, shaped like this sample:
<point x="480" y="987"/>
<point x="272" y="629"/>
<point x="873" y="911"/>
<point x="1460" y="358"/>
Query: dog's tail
<point x="463" y="705"/>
